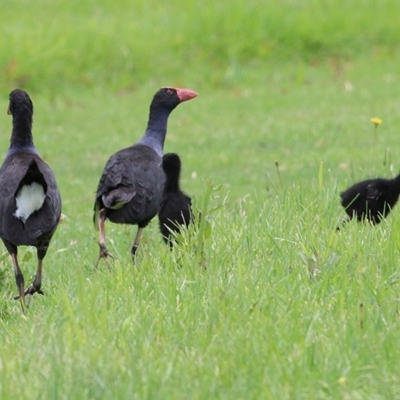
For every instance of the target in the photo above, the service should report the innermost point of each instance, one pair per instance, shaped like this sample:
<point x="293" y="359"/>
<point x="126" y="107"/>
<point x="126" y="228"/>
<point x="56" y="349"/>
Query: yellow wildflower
<point x="342" y="380"/>
<point x="376" y="121"/>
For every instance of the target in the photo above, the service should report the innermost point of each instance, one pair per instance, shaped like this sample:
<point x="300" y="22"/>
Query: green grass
<point x="51" y="44"/>
<point x="287" y="307"/>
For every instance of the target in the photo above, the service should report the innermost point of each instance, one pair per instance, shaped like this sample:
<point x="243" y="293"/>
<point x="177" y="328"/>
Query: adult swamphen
<point x="175" y="210"/>
<point x="30" y="202"/>
<point x="372" y="199"/>
<point x="131" y="186"/>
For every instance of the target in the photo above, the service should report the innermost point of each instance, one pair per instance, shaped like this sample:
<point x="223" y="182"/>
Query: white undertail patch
<point x="29" y="199"/>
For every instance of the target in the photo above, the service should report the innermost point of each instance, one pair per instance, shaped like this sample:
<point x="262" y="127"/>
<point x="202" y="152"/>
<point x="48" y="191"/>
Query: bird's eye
<point x="169" y="92"/>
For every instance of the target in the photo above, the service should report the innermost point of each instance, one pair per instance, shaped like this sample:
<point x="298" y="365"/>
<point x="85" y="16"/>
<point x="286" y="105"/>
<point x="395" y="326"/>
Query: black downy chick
<point x="175" y="210"/>
<point x="372" y="199"/>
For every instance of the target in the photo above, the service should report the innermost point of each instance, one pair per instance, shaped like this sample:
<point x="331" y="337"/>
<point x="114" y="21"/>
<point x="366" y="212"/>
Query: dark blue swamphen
<point x="132" y="183"/>
<point x="30" y="202"/>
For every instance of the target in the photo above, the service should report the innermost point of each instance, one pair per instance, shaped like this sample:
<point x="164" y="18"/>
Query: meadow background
<point x="287" y="307"/>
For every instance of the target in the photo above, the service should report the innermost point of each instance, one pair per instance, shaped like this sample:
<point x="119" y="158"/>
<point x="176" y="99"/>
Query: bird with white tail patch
<point x="30" y="202"/>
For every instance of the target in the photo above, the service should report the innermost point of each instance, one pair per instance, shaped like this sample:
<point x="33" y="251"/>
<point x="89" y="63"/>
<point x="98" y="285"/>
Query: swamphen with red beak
<point x="175" y="210"/>
<point x="372" y="199"/>
<point x="30" y="203"/>
<point x="131" y="186"/>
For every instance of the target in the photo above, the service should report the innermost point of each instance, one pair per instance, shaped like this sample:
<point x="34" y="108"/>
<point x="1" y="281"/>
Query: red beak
<point x="185" y="94"/>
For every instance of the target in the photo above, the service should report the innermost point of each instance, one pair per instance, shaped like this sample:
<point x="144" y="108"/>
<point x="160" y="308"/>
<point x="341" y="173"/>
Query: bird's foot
<point x="32" y="289"/>
<point x="104" y="253"/>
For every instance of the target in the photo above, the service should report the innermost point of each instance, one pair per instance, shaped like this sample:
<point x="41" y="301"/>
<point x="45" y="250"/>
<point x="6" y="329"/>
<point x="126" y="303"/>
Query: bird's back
<point x="19" y="169"/>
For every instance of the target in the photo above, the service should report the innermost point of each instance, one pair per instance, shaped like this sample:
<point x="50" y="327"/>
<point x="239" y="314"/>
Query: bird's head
<point x="170" y="97"/>
<point x="20" y="102"/>
<point x="373" y="192"/>
<point x="171" y="164"/>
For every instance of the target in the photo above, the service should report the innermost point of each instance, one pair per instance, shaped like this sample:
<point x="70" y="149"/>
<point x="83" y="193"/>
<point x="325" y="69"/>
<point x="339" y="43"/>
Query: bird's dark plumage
<point x="132" y="182"/>
<point x="30" y="202"/>
<point x="175" y="210"/>
<point x="372" y="199"/>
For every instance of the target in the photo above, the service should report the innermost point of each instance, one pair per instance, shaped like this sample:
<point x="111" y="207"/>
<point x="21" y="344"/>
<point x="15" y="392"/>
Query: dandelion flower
<point x="376" y="121"/>
<point x="342" y="380"/>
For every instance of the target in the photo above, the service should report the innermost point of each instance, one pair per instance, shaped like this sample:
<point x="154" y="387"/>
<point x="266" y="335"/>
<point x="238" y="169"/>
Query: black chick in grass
<point x="30" y="203"/>
<point x="175" y="210"/>
<point x="132" y="183"/>
<point x="372" y="199"/>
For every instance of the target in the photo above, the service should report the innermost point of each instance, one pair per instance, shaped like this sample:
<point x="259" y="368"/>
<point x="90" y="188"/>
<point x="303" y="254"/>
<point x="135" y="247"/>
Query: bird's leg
<point x="19" y="279"/>
<point x="136" y="243"/>
<point x="104" y="253"/>
<point x="35" y="286"/>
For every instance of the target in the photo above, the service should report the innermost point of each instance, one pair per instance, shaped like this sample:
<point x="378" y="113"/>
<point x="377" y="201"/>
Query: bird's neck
<point x="157" y="128"/>
<point x="21" y="136"/>
<point x="172" y="185"/>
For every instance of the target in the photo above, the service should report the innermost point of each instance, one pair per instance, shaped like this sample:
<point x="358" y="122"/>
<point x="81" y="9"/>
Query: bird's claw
<point x="30" y="291"/>
<point x="104" y="253"/>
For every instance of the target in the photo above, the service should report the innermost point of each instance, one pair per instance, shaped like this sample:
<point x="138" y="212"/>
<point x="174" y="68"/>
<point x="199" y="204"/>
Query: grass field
<point x="287" y="307"/>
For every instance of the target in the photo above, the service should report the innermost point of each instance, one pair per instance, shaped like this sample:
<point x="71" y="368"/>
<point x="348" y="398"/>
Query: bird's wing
<point x="115" y="187"/>
<point x="116" y="174"/>
<point x="47" y="218"/>
<point x="11" y="174"/>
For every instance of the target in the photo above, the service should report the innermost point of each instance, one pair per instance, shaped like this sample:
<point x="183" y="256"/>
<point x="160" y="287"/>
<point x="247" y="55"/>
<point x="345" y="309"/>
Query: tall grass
<point x="287" y="307"/>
